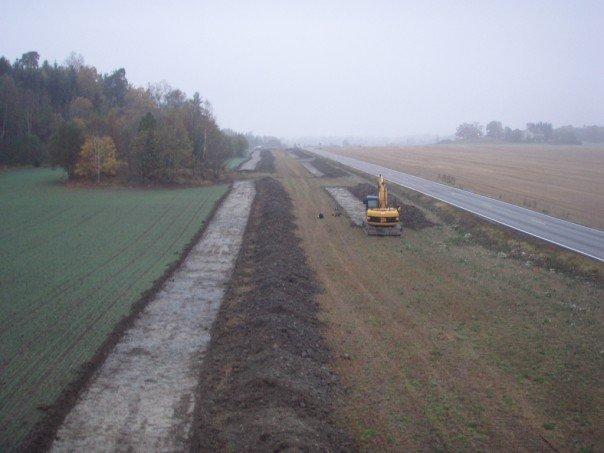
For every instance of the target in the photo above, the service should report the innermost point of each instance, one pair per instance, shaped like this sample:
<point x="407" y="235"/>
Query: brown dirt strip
<point x="266" y="163"/>
<point x="42" y="435"/>
<point x="265" y="385"/>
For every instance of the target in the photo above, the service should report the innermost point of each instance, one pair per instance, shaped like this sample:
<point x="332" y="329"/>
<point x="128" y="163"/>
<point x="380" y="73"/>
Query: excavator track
<point x="371" y="230"/>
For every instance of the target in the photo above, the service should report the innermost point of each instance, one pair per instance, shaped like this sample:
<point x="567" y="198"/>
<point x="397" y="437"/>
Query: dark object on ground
<point x="410" y="217"/>
<point x="328" y="170"/>
<point x="264" y="384"/>
<point x="266" y="163"/>
<point x="320" y="216"/>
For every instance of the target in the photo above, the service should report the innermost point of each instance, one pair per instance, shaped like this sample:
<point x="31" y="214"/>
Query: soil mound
<point x="265" y="385"/>
<point x="267" y="162"/>
<point x="411" y="216"/>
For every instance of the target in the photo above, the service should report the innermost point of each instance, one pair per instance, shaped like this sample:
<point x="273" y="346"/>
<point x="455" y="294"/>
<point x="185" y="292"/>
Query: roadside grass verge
<point x="472" y="229"/>
<point x="76" y="263"/>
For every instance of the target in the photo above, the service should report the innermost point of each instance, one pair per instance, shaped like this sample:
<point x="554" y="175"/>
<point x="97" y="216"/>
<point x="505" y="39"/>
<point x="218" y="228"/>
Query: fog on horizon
<point x="338" y="68"/>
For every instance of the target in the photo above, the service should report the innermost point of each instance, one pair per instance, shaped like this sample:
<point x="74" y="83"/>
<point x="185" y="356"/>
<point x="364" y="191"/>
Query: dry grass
<point x="447" y="345"/>
<point x="563" y="181"/>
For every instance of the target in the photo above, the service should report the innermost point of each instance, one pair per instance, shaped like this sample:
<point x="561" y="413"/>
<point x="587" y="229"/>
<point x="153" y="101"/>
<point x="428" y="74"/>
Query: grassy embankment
<point x="74" y="262"/>
<point x="445" y="344"/>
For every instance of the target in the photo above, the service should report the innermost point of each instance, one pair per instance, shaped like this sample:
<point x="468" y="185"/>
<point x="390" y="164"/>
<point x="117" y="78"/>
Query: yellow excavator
<point x="381" y="219"/>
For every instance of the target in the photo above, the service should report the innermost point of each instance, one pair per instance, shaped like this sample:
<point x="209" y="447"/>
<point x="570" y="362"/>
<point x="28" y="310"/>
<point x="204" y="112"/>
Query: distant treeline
<point x="265" y="141"/>
<point x="97" y="125"/>
<point x="541" y="132"/>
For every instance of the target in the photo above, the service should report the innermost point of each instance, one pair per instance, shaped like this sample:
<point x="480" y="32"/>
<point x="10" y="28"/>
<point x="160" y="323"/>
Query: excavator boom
<point x="382" y="193"/>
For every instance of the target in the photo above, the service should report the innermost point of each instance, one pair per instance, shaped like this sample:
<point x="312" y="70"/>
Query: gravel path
<point x="355" y="210"/>
<point x="250" y="165"/>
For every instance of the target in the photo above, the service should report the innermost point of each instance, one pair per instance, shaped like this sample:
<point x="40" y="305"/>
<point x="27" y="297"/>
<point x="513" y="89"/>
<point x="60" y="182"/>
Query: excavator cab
<point x="381" y="219"/>
<point x="371" y="202"/>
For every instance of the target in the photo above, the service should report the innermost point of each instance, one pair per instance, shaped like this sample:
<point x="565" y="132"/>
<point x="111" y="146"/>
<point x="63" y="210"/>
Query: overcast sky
<point x="364" y="68"/>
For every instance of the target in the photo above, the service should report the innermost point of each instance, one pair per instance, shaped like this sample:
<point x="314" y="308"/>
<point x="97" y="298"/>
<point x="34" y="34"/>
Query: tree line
<point x="541" y="132"/>
<point x="99" y="125"/>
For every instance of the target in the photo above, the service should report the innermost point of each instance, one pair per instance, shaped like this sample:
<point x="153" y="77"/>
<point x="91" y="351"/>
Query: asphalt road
<point x="572" y="236"/>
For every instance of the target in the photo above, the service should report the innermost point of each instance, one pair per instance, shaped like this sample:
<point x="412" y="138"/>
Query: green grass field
<point x="72" y="264"/>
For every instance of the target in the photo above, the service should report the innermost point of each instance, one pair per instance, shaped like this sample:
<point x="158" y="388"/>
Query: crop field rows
<point x="74" y="263"/>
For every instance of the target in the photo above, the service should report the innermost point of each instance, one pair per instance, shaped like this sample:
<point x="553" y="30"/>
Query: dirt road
<point x="444" y="344"/>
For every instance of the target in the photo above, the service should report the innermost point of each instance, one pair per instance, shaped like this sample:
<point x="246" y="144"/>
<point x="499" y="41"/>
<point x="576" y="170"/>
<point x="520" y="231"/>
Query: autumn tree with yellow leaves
<point x="97" y="157"/>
